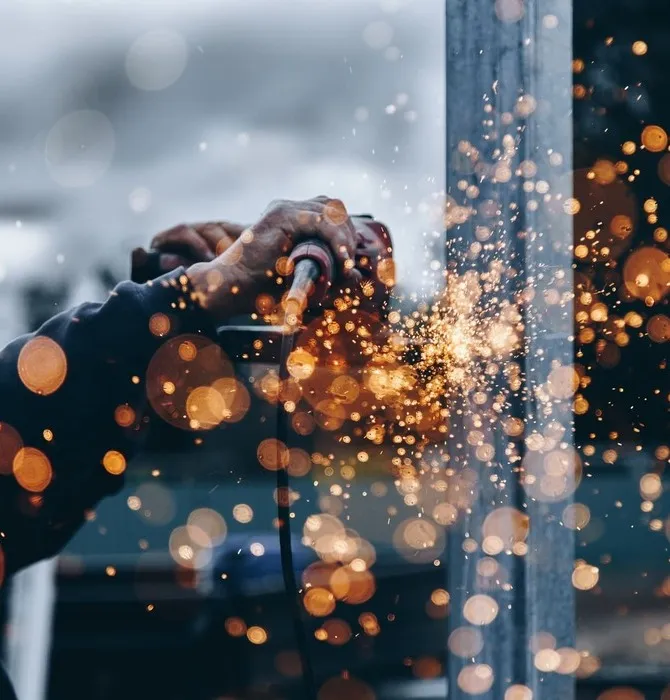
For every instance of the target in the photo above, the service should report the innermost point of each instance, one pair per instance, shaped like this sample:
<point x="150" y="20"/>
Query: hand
<point x="230" y="283"/>
<point x="183" y="245"/>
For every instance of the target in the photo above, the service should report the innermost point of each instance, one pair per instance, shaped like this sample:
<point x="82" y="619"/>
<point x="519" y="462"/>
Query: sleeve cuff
<point x="172" y="294"/>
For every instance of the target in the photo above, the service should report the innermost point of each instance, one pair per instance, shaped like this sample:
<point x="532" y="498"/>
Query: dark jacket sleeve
<point x="70" y="394"/>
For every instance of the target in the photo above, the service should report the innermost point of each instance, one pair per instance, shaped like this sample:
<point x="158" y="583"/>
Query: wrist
<point x="219" y="289"/>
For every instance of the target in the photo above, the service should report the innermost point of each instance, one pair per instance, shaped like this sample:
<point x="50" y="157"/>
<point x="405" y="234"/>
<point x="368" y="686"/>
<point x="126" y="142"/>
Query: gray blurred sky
<point x="260" y="100"/>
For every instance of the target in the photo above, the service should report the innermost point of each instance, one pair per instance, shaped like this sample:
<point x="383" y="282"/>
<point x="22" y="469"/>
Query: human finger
<point x="183" y="240"/>
<point x="219" y="235"/>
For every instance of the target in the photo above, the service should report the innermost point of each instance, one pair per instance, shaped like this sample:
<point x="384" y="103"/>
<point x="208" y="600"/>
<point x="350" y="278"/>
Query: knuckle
<point x="336" y="213"/>
<point x="276" y="211"/>
<point x="182" y="231"/>
<point x="278" y="205"/>
<point x="213" y="229"/>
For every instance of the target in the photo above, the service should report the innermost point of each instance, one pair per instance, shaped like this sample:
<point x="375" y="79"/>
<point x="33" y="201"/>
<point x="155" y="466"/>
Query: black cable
<point x="285" y="543"/>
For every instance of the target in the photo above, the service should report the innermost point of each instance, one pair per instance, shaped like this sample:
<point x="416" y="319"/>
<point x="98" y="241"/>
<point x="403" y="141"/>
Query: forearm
<point x="73" y="409"/>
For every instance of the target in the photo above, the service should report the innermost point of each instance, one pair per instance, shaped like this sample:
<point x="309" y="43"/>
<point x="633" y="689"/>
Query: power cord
<point x="285" y="542"/>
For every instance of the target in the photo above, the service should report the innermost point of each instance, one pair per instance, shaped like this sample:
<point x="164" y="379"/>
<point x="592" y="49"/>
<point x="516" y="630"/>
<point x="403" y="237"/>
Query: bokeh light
<point x="10" y="444"/>
<point x="32" y="469"/>
<point x="42" y="365"/>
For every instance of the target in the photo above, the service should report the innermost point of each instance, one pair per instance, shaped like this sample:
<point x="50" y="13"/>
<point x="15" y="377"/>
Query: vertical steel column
<point x="31" y="607"/>
<point x="509" y="136"/>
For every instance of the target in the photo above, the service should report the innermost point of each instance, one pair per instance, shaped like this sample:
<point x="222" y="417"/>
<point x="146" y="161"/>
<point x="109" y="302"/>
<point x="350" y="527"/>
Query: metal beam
<point x="509" y="100"/>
